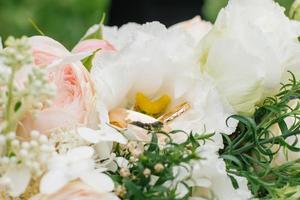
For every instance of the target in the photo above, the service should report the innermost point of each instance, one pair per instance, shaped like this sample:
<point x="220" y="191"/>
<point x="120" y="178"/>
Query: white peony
<point x="158" y="63"/>
<point x="195" y="27"/>
<point x="249" y="50"/>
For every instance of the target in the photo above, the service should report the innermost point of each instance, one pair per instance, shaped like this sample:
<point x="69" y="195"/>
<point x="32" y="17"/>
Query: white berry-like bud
<point x="45" y="148"/>
<point x="15" y="143"/>
<point x="2" y="139"/>
<point x="11" y="135"/>
<point x="147" y="172"/>
<point x="159" y="167"/>
<point x="34" y="143"/>
<point x="34" y="134"/>
<point x="43" y="139"/>
<point x="23" y="153"/>
<point x="38" y="106"/>
<point x="25" y="145"/>
<point x="5" y="160"/>
<point x="35" y="166"/>
<point x="124" y="172"/>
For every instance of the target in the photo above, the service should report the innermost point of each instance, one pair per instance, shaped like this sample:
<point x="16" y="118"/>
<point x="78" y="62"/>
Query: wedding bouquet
<point x="194" y="111"/>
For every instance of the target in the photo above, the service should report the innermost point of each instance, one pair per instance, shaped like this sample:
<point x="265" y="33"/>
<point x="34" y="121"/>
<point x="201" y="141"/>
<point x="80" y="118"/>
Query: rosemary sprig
<point x="252" y="149"/>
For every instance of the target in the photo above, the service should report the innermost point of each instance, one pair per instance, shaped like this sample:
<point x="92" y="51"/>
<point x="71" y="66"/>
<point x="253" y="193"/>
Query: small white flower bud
<point x="11" y="135"/>
<point x="120" y="190"/>
<point x="33" y="143"/>
<point x="34" y="134"/>
<point x="15" y="143"/>
<point x="5" y="160"/>
<point x="159" y="167"/>
<point x="38" y="105"/>
<point x="43" y="139"/>
<point x="45" y="148"/>
<point x="2" y="140"/>
<point x="147" y="172"/>
<point x="124" y="172"/>
<point x="25" y="145"/>
<point x="35" y="166"/>
<point x="23" y="153"/>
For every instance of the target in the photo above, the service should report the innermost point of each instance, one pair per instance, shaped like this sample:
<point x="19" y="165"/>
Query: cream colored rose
<point x="249" y="50"/>
<point x="73" y="104"/>
<point x="284" y="155"/>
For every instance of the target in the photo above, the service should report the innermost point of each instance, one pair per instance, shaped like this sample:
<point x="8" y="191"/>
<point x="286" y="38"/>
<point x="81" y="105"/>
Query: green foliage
<point x="64" y="20"/>
<point x="253" y="147"/>
<point x="138" y="185"/>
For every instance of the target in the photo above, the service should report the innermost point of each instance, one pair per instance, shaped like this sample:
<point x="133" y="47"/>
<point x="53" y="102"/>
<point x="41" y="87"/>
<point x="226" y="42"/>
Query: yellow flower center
<point x="151" y="107"/>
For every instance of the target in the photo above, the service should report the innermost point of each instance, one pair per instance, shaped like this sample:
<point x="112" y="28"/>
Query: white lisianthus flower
<point x="153" y="72"/>
<point x="153" y="64"/>
<point x="75" y="164"/>
<point x="249" y="51"/>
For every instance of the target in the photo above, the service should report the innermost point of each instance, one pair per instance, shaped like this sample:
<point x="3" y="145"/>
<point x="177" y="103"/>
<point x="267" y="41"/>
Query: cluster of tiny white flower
<point x="25" y="158"/>
<point x="39" y="88"/>
<point x="17" y="53"/>
<point x="24" y="87"/>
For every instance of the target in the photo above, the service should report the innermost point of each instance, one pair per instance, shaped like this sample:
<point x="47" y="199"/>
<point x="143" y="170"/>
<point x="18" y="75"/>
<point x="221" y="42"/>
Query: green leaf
<point x="17" y="106"/>
<point x="98" y="33"/>
<point x="88" y="61"/>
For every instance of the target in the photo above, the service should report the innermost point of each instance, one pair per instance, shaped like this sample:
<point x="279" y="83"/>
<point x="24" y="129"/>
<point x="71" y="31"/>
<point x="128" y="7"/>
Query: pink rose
<point x="92" y="45"/>
<point x="76" y="191"/>
<point x="74" y="103"/>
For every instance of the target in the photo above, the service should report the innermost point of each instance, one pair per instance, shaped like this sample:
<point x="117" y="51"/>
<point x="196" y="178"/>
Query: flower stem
<point x="9" y="106"/>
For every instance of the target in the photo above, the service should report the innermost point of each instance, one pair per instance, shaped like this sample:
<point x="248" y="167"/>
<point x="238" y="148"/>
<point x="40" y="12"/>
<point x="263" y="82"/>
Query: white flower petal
<point x="109" y="133"/>
<point x="103" y="149"/>
<point x="53" y="181"/>
<point x="106" y="133"/>
<point x="20" y="178"/>
<point x="99" y="181"/>
<point x="78" y="153"/>
<point x="90" y="135"/>
<point x="122" y="162"/>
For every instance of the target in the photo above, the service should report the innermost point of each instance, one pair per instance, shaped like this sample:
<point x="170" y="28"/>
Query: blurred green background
<point x="67" y="20"/>
<point x="64" y="20"/>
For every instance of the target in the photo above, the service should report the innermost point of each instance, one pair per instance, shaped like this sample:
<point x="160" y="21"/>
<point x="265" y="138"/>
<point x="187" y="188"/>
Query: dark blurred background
<point x="67" y="20"/>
